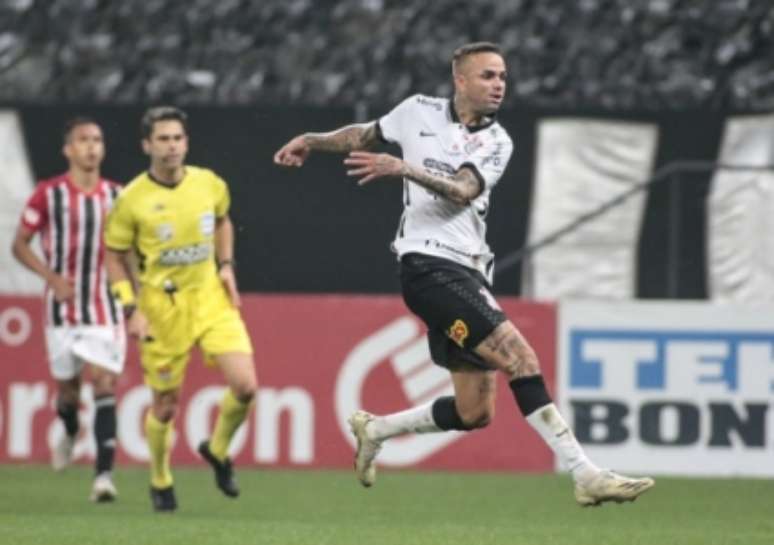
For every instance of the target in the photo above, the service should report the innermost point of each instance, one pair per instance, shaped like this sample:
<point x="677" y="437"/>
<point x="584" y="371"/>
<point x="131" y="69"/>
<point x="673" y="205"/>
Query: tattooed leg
<point x="507" y="350"/>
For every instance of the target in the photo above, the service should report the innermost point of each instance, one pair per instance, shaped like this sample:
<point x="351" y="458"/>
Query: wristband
<point x="123" y="293"/>
<point x="225" y="262"/>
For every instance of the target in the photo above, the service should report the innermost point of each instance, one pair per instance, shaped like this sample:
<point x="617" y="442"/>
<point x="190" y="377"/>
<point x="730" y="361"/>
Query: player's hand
<point x="371" y="165"/>
<point x="137" y="326"/>
<point x="294" y="153"/>
<point x="226" y="274"/>
<point x="64" y="288"/>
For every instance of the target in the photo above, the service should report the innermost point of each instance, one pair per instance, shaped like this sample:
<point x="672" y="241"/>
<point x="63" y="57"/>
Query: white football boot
<point x="62" y="452"/>
<point x="103" y="490"/>
<point x="610" y="486"/>
<point x="367" y="448"/>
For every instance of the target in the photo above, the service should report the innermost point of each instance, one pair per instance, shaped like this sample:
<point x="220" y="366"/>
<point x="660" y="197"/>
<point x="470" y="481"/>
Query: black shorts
<point x="454" y="302"/>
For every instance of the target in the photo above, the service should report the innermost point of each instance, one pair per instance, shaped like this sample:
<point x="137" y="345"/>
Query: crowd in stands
<point x="612" y="54"/>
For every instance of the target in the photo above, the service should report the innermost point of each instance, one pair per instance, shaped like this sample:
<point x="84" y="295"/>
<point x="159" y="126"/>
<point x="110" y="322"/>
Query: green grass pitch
<point x="404" y="508"/>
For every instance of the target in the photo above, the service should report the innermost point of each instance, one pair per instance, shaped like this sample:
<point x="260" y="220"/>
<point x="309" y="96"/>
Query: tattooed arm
<point x="349" y="138"/>
<point x="461" y="188"/>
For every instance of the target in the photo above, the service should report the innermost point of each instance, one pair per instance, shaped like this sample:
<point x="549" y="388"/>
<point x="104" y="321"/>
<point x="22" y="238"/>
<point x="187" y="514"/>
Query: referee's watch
<point x="223" y="262"/>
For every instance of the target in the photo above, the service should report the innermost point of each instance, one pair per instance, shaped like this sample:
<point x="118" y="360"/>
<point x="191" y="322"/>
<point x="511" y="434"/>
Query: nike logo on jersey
<point x="425" y="133"/>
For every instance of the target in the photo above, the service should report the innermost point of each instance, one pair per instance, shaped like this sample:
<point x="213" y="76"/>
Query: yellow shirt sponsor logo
<point x="187" y="255"/>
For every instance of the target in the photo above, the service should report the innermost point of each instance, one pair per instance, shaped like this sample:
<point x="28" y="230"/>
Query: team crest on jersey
<point x="458" y="332"/>
<point x="207" y="223"/>
<point x="472" y="144"/>
<point x="489" y="299"/>
<point x="164" y="232"/>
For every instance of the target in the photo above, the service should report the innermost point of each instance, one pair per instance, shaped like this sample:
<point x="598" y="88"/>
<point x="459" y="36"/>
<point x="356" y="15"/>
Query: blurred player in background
<point x="454" y="152"/>
<point x="83" y="323"/>
<point x="175" y="216"/>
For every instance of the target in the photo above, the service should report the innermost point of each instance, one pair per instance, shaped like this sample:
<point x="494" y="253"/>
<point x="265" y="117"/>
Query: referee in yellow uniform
<point x="175" y="219"/>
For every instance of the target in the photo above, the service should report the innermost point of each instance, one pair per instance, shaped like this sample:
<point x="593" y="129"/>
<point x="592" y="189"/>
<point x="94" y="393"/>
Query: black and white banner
<point x="582" y="163"/>
<point x="740" y="226"/>
<point x="16" y="185"/>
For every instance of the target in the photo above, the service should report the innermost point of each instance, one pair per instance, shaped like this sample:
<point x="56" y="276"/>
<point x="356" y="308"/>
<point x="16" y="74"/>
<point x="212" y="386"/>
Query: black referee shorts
<point x="454" y="302"/>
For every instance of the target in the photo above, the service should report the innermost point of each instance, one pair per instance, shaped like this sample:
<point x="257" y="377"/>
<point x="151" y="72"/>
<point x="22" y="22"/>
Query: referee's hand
<point x="226" y="274"/>
<point x="137" y="326"/>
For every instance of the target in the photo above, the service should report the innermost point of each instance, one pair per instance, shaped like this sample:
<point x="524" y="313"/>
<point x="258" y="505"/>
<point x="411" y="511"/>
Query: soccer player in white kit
<point x="454" y="152"/>
<point x="84" y="325"/>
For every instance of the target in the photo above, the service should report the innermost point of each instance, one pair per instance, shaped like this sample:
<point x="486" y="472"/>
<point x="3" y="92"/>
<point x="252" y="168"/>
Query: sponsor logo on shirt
<point x="440" y="166"/>
<point x="185" y="255"/>
<point x="433" y="104"/>
<point x="494" y="160"/>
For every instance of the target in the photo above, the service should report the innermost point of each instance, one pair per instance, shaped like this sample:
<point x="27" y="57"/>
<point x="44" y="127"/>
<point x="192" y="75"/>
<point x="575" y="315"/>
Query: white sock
<point x="415" y="420"/>
<point x="557" y="434"/>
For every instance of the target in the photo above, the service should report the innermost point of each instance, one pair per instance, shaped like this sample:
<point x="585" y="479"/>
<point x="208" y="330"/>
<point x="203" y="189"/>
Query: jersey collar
<point x="166" y="185"/>
<point x="490" y="120"/>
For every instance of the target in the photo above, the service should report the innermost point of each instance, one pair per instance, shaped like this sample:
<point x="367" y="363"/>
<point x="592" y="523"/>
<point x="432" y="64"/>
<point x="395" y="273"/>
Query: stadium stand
<point x="612" y="54"/>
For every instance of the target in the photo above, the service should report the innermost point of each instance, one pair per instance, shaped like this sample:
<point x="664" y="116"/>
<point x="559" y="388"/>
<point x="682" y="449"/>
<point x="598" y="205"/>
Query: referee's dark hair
<point x="462" y="52"/>
<point x="73" y="122"/>
<point x="161" y="113"/>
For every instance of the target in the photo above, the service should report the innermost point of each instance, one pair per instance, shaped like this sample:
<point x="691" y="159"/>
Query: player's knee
<point x="477" y="418"/>
<point x="104" y="385"/>
<point x="165" y="413"/>
<point x="165" y="409"/>
<point x="69" y="395"/>
<point x="245" y="391"/>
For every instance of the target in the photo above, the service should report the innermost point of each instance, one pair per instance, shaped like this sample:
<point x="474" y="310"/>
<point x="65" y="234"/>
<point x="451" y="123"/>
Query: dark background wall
<point x="315" y="230"/>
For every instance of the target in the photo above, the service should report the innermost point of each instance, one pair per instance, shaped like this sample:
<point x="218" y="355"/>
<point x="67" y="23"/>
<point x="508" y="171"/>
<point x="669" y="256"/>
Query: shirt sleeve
<point x="391" y="125"/>
<point x="222" y="197"/>
<point x="120" y="225"/>
<point x="488" y="163"/>
<point x="35" y="214"/>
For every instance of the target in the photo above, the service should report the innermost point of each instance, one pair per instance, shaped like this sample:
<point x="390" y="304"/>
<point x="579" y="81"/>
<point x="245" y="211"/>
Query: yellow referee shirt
<point x="171" y="227"/>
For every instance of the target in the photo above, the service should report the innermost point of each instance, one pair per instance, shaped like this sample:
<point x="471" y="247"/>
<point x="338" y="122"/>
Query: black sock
<point x="530" y="393"/>
<point x="69" y="415"/>
<point x="105" y="432"/>
<point x="445" y="414"/>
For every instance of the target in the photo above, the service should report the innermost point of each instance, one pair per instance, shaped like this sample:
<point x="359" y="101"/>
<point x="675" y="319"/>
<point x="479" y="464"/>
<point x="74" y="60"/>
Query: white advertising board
<point x="669" y="387"/>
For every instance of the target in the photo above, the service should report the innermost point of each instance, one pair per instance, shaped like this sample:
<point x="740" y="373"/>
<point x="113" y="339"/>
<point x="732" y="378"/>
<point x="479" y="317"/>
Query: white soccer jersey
<point x="431" y="136"/>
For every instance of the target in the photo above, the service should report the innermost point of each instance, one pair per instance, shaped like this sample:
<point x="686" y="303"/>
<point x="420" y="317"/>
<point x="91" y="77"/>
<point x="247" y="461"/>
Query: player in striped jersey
<point x="83" y="322"/>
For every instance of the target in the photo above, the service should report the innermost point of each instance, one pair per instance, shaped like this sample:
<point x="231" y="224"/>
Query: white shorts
<point x="69" y="348"/>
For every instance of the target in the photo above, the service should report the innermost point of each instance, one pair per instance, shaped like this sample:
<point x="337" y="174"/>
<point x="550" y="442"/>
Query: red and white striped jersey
<point x="70" y="222"/>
